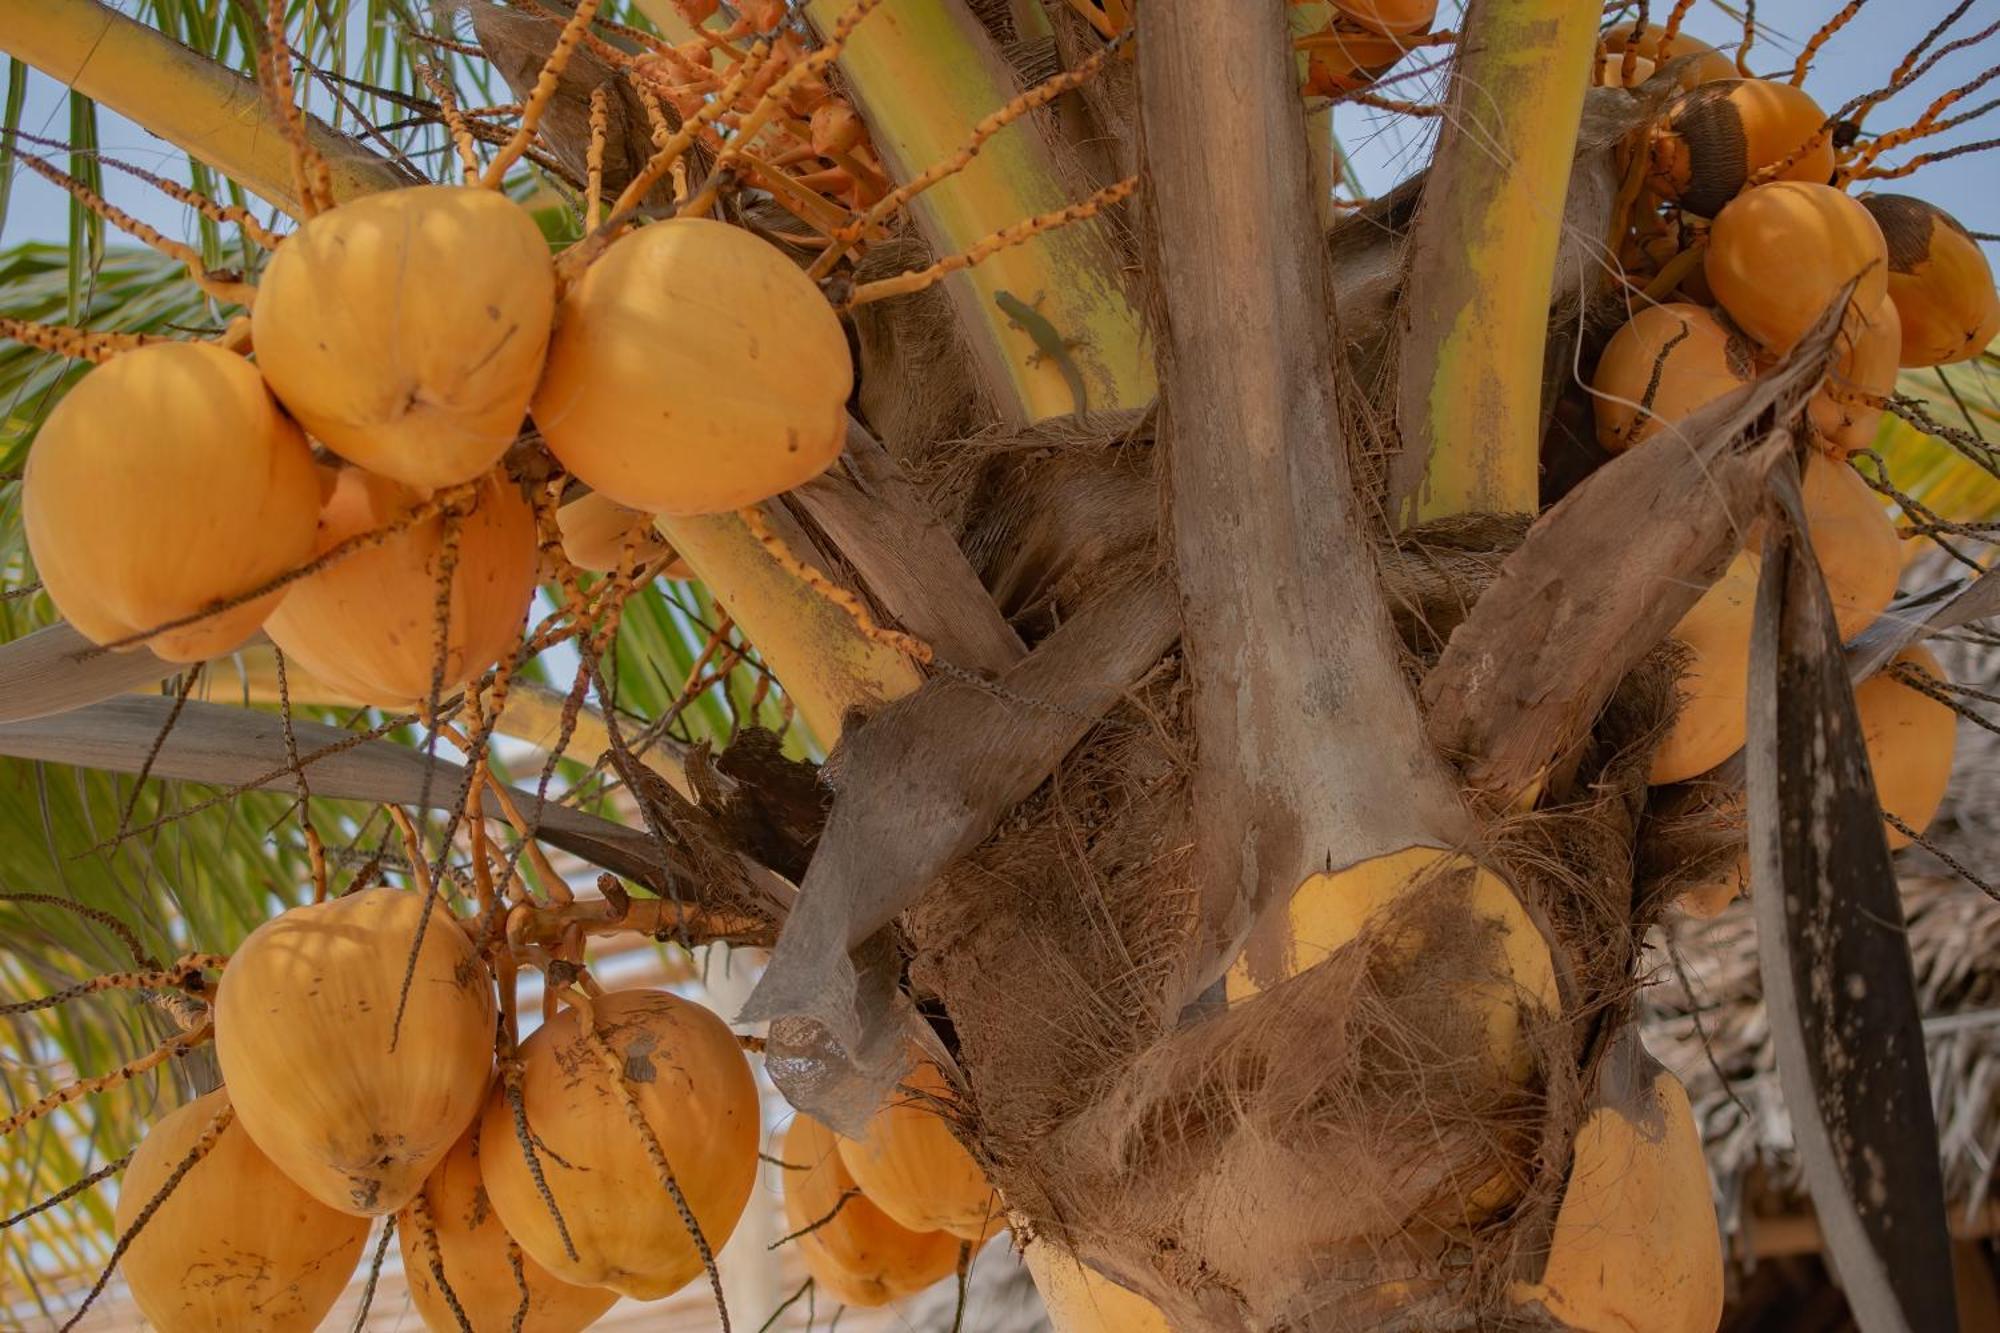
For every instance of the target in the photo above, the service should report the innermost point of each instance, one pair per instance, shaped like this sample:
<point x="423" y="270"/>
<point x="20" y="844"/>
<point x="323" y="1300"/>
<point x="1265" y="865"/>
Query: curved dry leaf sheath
<point x="1838" y="980"/>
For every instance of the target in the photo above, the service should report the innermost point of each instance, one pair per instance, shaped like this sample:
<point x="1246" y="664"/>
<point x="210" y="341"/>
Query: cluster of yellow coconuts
<point x="1740" y="167"/>
<point x="1362" y="41"/>
<point x="341" y="1116"/>
<point x="400" y="342"/>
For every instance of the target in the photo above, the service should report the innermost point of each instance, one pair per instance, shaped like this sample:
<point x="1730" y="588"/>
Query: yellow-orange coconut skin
<point x="1909" y="737"/>
<point x="367" y="625"/>
<point x="1844" y="412"/>
<point x="472" y="1249"/>
<point x="694" y="370"/>
<point x="303" y="1028"/>
<point x="1682" y="355"/>
<point x="1328" y="911"/>
<point x="694" y="1089"/>
<point x="1711" y="65"/>
<point x="1636" y="1248"/>
<point x="1082" y="1300"/>
<point x="1716" y="632"/>
<point x="912" y="1168"/>
<point x="1713" y="139"/>
<point x="861" y="1256"/>
<point x="1939" y="280"/>
<point x="167" y="481"/>
<point x="598" y="531"/>
<point x="237" y="1245"/>
<point x="1780" y="254"/>
<point x="1859" y="553"/>
<point x="405" y="330"/>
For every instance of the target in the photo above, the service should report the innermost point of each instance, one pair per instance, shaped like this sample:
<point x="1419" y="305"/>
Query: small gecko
<point x="1049" y="344"/>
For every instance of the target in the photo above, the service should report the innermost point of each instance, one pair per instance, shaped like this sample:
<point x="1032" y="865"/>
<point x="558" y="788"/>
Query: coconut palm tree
<point x="1205" y="718"/>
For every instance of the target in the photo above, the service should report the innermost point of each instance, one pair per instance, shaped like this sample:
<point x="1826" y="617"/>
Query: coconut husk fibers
<point x="1349" y="1101"/>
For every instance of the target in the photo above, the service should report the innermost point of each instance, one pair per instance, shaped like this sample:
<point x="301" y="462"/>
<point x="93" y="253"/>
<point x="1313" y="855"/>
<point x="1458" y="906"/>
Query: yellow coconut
<point x="367" y="624"/>
<point x="694" y="370"/>
<point x="1860" y="555"/>
<point x="1712" y="139"/>
<point x="1082" y="1300"/>
<point x="1910" y="737"/>
<point x="461" y="1231"/>
<point x="354" y="1109"/>
<point x="1716" y="632"/>
<point x="1666" y="363"/>
<point x="1709" y="65"/>
<point x="1939" y="280"/>
<point x="1636" y="1245"/>
<point x="1780" y="254"/>
<point x="854" y="1250"/>
<point x="1845" y="412"/>
<point x="596" y="531"/>
<point x="1328" y="911"/>
<point x="912" y="1168"/>
<point x="695" y="1092"/>
<point x="236" y="1245"/>
<point x="406" y="329"/>
<point x="166" y="483"/>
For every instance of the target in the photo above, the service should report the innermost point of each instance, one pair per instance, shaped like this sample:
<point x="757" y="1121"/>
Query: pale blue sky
<point x="1384" y="148"/>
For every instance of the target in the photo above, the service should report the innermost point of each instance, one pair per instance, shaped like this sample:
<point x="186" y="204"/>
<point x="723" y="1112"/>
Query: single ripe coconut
<point x="1780" y="254"/>
<point x="1909" y="737"/>
<point x="856" y="1252"/>
<point x="406" y="329"/>
<point x="367" y="624"/>
<point x="1391" y="18"/>
<point x="236" y="1245"/>
<point x="1666" y="363"/>
<point x="1708" y="66"/>
<point x="1713" y="138"/>
<point x="597" y="530"/>
<point x="1082" y="1300"/>
<point x="695" y="1092"/>
<point x="470" y="1244"/>
<point x="1860" y="555"/>
<point x="1939" y="280"/>
<point x="912" y="1168"/>
<point x="694" y="370"/>
<point x="165" y="483"/>
<point x="354" y="1109"/>
<point x="1716" y="634"/>
<point x="1846" y="411"/>
<point x="1328" y="911"/>
<point x="1635" y="1245"/>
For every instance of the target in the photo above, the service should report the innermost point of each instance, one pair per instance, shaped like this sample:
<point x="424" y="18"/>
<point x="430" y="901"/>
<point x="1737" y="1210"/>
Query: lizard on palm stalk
<point x="1049" y="344"/>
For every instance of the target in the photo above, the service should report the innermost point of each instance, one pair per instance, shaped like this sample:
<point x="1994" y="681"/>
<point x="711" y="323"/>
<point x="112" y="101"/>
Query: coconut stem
<point x="510" y="1084"/>
<point x="753" y="518"/>
<point x="593" y="189"/>
<point x="1018" y="233"/>
<point x="93" y="345"/>
<point x="1039" y="96"/>
<point x="454" y="120"/>
<point x="544" y="93"/>
<point x="67" y="1192"/>
<point x="184" y="976"/>
<point x="420" y="1217"/>
<point x="1820" y="38"/>
<point x="309" y="172"/>
<point x="177" y="1045"/>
